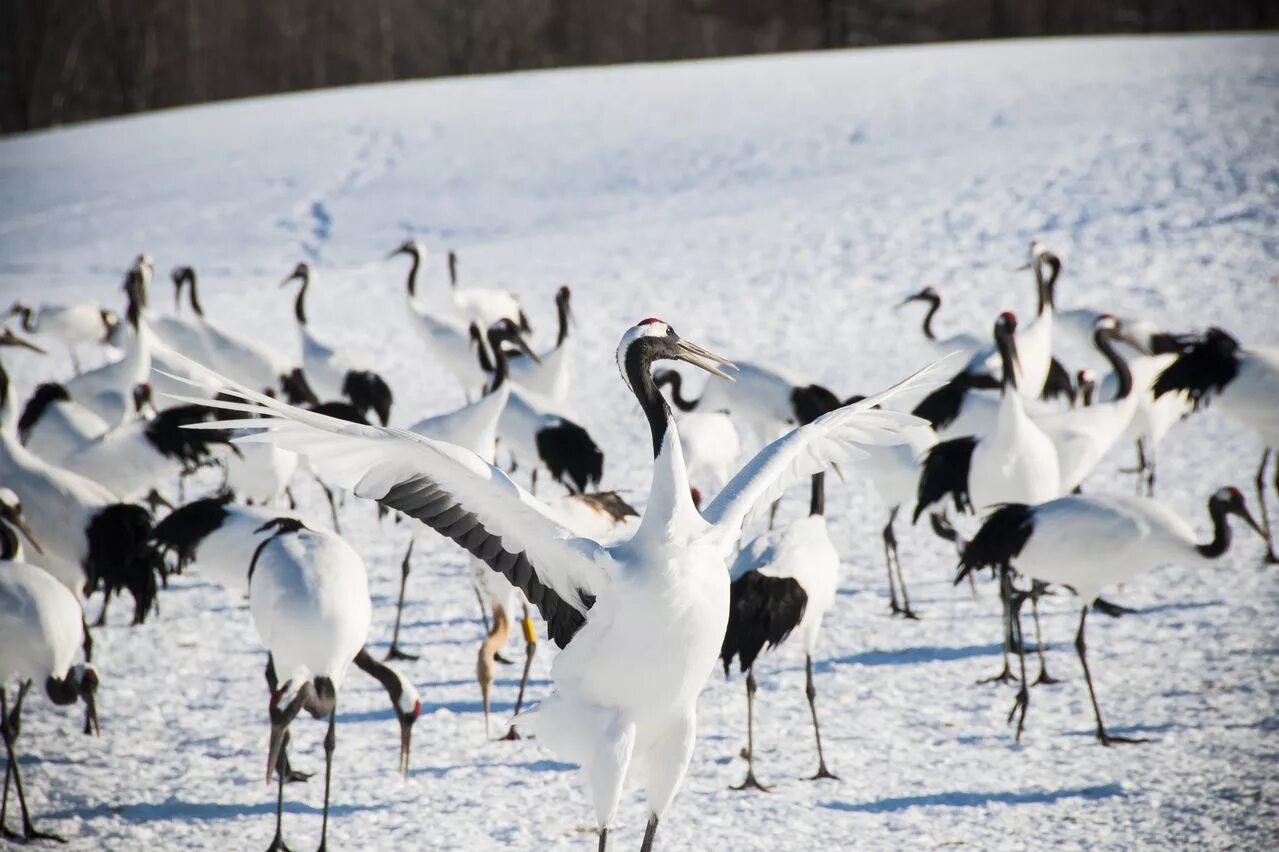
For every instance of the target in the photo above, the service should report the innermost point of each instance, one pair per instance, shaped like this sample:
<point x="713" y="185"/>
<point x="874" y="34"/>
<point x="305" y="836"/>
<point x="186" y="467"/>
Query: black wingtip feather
<point x="1001" y="538"/>
<point x="568" y="450"/>
<point x="1204" y="368"/>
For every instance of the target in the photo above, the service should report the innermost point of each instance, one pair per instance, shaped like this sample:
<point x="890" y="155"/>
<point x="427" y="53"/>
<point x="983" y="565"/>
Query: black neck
<point x="501" y="365"/>
<point x="561" y="306"/>
<point x="9" y="543"/>
<point x="5" y="396"/>
<point x="639" y="360"/>
<point x="299" y="306"/>
<point x="1102" y="340"/>
<point x="383" y="674"/>
<point x="481" y="351"/>
<point x="1008" y="358"/>
<point x="676" y="382"/>
<point x="817" y="502"/>
<point x="1220" y="532"/>
<point x="193" y="296"/>
<point x="935" y="301"/>
<point x="1044" y="286"/>
<point x="452" y="269"/>
<point x="27" y="324"/>
<point x="417" y="262"/>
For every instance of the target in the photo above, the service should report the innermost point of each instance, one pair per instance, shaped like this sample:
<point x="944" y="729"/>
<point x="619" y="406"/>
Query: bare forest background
<point x="70" y="60"/>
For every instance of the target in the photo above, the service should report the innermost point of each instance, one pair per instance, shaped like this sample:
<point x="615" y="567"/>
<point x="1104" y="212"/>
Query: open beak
<point x="691" y="353"/>
<point x="25" y="529"/>
<point x="406" y="743"/>
<point x="8" y="338"/>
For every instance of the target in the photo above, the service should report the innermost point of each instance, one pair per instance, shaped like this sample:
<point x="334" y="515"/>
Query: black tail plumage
<point x="1204" y="367"/>
<point x="297" y="390"/>
<point x="762" y="611"/>
<point x="368" y="390"/>
<point x="167" y="432"/>
<point x="1058" y="384"/>
<point x="945" y="471"/>
<point x="1001" y="538"/>
<point x="811" y="402"/>
<point x="123" y="557"/>
<point x="942" y="406"/>
<point x="181" y="532"/>
<point x="568" y="450"/>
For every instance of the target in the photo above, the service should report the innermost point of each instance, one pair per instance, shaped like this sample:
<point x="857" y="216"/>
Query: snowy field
<point x="773" y="209"/>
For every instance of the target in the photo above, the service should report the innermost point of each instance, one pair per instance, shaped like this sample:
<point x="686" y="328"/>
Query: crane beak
<point x="524" y="347"/>
<point x="8" y="338"/>
<point x="1252" y="522"/>
<point x="406" y="744"/>
<point x="691" y="353"/>
<point x="21" y="522"/>
<point x="914" y="297"/>
<point x="398" y="251"/>
<point x="1126" y="336"/>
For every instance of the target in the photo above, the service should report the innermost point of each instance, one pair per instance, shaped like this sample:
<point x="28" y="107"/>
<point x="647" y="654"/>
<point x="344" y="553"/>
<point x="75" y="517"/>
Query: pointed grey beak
<point x="1126" y="336"/>
<point x="691" y="353"/>
<point x="1252" y="522"/>
<point x="8" y="338"/>
<point x="524" y="347"/>
<point x="400" y="250"/>
<point x="406" y="746"/>
<point x="21" y="523"/>
<point x="914" y="297"/>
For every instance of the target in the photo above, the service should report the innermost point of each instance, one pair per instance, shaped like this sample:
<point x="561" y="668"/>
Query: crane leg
<point x="1022" y="702"/>
<point x="282" y="769"/>
<point x="603" y="845"/>
<point x="751" y="782"/>
<point x="530" y="648"/>
<point x="894" y="562"/>
<point x="650" y="831"/>
<point x="1044" y="678"/>
<point x="811" y="692"/>
<point x="394" y="653"/>
<point x="330" y="743"/>
<point x="333" y="506"/>
<point x="1081" y="647"/>
<point x="1005" y="598"/>
<point x="9" y="726"/>
<point x="1271" y="558"/>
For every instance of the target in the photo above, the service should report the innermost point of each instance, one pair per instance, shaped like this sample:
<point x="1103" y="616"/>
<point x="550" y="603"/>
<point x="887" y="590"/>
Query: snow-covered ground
<point x="770" y="208"/>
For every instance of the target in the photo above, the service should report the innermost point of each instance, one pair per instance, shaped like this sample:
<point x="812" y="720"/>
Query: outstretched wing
<point x="447" y="488"/>
<point x="832" y="438"/>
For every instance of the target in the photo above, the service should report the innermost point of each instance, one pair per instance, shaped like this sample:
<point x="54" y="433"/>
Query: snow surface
<point x="773" y="208"/>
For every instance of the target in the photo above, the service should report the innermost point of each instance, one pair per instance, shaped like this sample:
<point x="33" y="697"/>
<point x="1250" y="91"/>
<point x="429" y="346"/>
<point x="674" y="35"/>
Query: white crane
<point x="1083" y="436"/>
<point x="710" y="440"/>
<point x="782" y="581"/>
<point x="484" y="306"/>
<point x="143" y="455"/>
<point x="108" y="390"/>
<point x="53" y="426"/>
<point x="1014" y="462"/>
<point x="329" y="372"/>
<point x="550" y="374"/>
<point x="540" y="435"/>
<point x="41" y="631"/>
<point x="1243" y="383"/>
<point x="309" y="598"/>
<point x="74" y="324"/>
<point x="1087" y="543"/>
<point x="446" y="337"/>
<point x="90" y="537"/>
<point x="640" y="623"/>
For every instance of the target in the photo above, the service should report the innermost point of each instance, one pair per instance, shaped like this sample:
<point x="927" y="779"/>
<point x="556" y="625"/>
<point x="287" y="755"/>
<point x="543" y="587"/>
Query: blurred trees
<point x="67" y="60"/>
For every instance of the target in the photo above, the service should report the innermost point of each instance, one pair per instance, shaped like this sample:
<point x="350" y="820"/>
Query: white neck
<point x="670" y="507"/>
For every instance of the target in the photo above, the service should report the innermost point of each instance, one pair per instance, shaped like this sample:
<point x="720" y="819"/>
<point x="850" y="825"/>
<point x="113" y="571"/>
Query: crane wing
<point x="832" y="438"/>
<point x="447" y="488"/>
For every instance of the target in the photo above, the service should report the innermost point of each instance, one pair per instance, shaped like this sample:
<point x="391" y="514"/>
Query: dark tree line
<point x="68" y="60"/>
